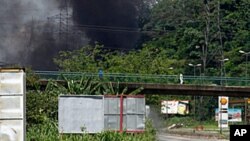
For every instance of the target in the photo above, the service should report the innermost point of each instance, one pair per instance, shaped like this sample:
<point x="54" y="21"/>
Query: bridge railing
<point x="146" y="78"/>
<point x="215" y="80"/>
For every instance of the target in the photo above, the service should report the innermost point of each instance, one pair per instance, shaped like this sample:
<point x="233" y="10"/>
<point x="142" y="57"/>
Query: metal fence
<point x="124" y="112"/>
<point x="93" y="114"/>
<point x="79" y="114"/>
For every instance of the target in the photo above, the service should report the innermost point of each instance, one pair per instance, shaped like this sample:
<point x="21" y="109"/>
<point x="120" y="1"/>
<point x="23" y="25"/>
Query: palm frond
<point x="136" y="91"/>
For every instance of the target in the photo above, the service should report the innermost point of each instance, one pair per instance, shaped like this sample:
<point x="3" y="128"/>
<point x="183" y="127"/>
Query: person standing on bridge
<point x="181" y="79"/>
<point x="100" y="73"/>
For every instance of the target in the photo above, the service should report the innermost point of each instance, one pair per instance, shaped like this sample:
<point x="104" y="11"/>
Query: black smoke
<point x="31" y="33"/>
<point x="113" y="23"/>
<point x="23" y="24"/>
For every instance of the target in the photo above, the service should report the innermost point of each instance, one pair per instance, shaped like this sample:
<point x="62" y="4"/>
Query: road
<point x="166" y="137"/>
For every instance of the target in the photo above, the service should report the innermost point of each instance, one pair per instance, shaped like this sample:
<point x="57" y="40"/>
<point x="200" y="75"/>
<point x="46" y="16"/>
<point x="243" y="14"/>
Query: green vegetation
<point x="145" y="61"/>
<point x="40" y="107"/>
<point x="49" y="132"/>
<point x="191" y="122"/>
<point x="182" y="32"/>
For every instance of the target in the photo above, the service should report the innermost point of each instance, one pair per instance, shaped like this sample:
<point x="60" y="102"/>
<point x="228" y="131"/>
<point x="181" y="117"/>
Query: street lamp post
<point x="220" y="109"/>
<point x="246" y="75"/>
<point x="246" y="54"/>
<point x="194" y="66"/>
<point x="222" y="68"/>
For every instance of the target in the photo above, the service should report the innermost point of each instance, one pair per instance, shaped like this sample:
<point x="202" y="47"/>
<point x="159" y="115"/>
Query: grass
<point x="49" y="132"/>
<point x="191" y="127"/>
<point x="190" y="122"/>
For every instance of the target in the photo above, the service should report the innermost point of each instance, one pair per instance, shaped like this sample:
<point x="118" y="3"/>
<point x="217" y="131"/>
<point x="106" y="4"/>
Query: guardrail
<point x="145" y="78"/>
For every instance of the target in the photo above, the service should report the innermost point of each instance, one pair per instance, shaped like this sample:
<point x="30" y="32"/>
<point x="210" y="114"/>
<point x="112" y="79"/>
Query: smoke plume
<point x="111" y="22"/>
<point x="32" y="32"/>
<point x="20" y="22"/>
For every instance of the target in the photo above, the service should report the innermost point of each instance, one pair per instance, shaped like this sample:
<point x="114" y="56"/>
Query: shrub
<point x="41" y="106"/>
<point x="49" y="132"/>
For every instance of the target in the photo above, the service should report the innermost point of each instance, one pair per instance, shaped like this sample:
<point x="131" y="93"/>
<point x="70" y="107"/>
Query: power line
<point x="102" y="28"/>
<point x="106" y="28"/>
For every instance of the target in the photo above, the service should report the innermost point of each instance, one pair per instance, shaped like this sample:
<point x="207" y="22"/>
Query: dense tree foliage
<point x="220" y="28"/>
<point x="181" y="32"/>
<point x="148" y="60"/>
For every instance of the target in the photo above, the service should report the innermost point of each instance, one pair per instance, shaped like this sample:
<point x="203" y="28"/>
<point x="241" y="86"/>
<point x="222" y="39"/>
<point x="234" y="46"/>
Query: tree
<point x="148" y="60"/>
<point x="87" y="59"/>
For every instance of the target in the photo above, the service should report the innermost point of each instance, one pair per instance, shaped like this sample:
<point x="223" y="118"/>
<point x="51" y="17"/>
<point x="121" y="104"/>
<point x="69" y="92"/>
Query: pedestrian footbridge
<point x="161" y="84"/>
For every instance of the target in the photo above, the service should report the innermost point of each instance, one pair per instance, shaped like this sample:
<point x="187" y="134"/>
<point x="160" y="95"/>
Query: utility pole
<point x="206" y="35"/>
<point x="203" y="57"/>
<point x="64" y="22"/>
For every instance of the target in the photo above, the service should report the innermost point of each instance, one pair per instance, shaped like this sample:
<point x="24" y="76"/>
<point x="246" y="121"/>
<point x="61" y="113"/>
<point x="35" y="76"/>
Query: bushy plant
<point x="41" y="106"/>
<point x="49" y="132"/>
<point x="110" y="88"/>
